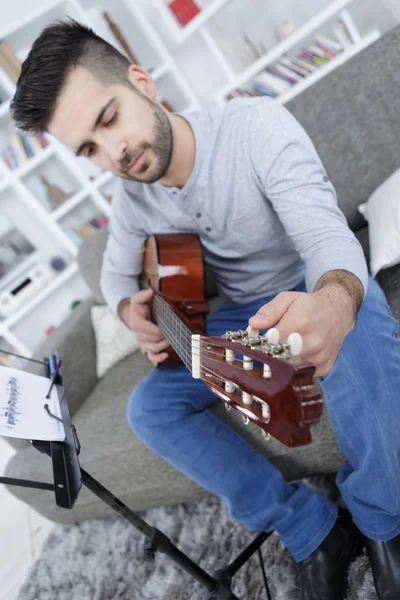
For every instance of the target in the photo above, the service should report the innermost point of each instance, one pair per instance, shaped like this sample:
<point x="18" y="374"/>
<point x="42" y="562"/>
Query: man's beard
<point x="161" y="146"/>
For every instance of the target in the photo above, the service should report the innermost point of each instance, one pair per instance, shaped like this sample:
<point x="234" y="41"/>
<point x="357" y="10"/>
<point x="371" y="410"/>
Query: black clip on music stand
<point x="69" y="476"/>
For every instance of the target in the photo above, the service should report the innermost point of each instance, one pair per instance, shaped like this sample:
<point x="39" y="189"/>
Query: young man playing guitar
<point x="246" y="178"/>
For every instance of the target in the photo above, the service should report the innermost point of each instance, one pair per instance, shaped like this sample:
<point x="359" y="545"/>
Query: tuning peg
<point x="267" y="371"/>
<point x="272" y="336"/>
<point x="245" y="419"/>
<point x="248" y="363"/>
<point x="229" y="355"/>
<point x="266" y="435"/>
<point x="229" y="387"/>
<point x="251" y="332"/>
<point x="227" y="406"/>
<point x="295" y="343"/>
<point x="266" y="412"/>
<point x="247" y="398"/>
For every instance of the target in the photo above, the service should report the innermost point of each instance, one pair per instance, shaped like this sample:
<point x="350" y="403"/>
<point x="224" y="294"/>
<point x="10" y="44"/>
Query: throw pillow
<point x="382" y="211"/>
<point x="114" y="340"/>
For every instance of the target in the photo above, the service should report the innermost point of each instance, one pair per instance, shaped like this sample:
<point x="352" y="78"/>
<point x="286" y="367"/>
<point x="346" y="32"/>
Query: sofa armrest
<point x="75" y="342"/>
<point x="389" y="280"/>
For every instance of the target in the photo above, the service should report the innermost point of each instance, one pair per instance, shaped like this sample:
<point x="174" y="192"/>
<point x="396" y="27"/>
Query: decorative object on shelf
<point x="121" y="38"/>
<point x="184" y="10"/>
<point x="14" y="247"/>
<point x="287" y="28"/>
<point x="23" y="288"/>
<point x="55" y="194"/>
<point x="9" y="61"/>
<point x="58" y="263"/>
<point x="50" y="330"/>
<point x="75" y="304"/>
<point x="255" y="51"/>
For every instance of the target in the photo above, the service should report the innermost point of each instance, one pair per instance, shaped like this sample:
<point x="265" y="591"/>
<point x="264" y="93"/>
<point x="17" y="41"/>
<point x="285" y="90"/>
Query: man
<point x="247" y="179"/>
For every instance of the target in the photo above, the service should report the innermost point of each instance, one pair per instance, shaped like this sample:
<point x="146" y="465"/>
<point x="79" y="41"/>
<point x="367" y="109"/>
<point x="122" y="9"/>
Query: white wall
<point x="13" y="11"/>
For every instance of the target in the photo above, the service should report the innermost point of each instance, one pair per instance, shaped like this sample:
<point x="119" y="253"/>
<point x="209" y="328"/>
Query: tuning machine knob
<point x="295" y="343"/>
<point x="272" y="336"/>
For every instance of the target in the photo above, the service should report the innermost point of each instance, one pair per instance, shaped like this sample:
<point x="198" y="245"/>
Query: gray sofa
<point x="353" y="117"/>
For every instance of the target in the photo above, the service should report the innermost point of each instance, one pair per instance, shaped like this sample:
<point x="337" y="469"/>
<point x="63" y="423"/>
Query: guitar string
<point x="188" y="353"/>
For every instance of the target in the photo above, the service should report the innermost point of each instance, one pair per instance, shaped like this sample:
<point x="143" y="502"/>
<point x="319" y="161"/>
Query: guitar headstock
<point x="263" y="379"/>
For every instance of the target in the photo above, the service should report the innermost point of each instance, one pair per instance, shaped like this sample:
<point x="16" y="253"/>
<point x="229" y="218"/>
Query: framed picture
<point x="14" y="247"/>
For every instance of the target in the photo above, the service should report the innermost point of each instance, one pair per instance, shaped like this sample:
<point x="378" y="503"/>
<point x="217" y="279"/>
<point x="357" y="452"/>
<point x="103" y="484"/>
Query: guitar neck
<point x="176" y="331"/>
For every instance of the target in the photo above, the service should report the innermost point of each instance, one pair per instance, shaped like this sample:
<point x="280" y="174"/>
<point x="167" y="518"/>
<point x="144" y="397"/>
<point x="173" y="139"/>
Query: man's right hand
<point x="135" y="313"/>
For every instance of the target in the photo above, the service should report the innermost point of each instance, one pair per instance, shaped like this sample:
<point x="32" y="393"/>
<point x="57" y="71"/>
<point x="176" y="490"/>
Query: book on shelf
<point x="269" y="85"/>
<point x="21" y="148"/>
<point x="9" y="61"/>
<point x="292" y="68"/>
<point x="84" y="231"/>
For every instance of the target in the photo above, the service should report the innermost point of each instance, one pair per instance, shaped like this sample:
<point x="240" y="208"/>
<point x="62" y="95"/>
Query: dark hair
<point x="59" y="48"/>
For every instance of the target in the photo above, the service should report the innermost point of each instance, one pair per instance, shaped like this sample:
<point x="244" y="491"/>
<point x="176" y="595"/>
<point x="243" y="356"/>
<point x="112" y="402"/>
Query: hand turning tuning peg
<point x="251" y="332"/>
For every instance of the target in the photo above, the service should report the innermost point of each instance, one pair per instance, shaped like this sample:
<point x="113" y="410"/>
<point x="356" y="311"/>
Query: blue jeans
<point x="170" y="412"/>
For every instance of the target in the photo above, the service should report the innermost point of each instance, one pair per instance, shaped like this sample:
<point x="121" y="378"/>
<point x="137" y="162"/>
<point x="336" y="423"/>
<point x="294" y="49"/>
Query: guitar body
<point x="173" y="265"/>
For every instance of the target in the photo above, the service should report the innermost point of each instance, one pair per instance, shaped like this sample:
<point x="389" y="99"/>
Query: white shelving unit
<point x="182" y="32"/>
<point x="24" y="203"/>
<point x="190" y="64"/>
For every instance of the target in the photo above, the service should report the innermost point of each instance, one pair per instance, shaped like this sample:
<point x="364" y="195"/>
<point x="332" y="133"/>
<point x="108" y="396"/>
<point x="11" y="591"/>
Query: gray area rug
<point x="103" y="559"/>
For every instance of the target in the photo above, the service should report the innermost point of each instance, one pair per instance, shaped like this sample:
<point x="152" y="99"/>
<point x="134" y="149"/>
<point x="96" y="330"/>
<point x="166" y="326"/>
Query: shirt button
<point x="208" y="228"/>
<point x="326" y="178"/>
<point x="198" y="215"/>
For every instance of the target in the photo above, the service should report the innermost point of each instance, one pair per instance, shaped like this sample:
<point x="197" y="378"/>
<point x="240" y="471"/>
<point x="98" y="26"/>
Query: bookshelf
<point x="205" y="60"/>
<point x="323" y="23"/>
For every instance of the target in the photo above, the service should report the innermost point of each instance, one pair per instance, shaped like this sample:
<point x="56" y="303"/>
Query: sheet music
<point x="22" y="412"/>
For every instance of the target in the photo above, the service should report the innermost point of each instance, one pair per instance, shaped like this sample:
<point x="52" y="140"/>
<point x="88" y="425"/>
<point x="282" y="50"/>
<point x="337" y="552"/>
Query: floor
<point x="24" y="531"/>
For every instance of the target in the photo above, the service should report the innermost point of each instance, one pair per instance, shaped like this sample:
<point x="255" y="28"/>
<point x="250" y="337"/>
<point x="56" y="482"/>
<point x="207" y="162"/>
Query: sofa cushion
<point x="382" y="211"/>
<point x="352" y="116"/>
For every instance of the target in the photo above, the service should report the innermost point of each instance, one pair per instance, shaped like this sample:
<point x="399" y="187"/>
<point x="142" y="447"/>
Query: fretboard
<point x="174" y="329"/>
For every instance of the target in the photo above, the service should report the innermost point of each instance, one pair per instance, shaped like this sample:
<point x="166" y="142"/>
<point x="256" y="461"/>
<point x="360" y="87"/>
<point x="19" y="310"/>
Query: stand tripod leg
<point x="155" y="539"/>
<point x="224" y="576"/>
<point x="218" y="587"/>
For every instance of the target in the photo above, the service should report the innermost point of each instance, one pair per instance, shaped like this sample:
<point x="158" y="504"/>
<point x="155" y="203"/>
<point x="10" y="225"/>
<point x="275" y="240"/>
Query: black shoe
<point x="385" y="563"/>
<point x="323" y="574"/>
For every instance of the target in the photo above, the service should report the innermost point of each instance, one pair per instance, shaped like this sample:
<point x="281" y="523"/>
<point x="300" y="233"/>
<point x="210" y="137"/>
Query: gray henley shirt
<point x="259" y="199"/>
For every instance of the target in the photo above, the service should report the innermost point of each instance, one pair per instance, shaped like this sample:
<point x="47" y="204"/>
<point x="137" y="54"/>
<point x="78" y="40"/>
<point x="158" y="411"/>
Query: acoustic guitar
<point x="263" y="379"/>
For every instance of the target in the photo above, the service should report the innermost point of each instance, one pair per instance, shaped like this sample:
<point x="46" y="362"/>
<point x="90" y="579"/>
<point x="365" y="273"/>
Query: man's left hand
<point x="322" y="318"/>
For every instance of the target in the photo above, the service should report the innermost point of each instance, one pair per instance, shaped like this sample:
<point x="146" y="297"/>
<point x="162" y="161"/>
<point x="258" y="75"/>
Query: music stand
<point x="69" y="476"/>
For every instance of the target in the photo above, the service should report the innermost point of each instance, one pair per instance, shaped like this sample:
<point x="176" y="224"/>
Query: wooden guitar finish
<point x="284" y="405"/>
<point x="173" y="265"/>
